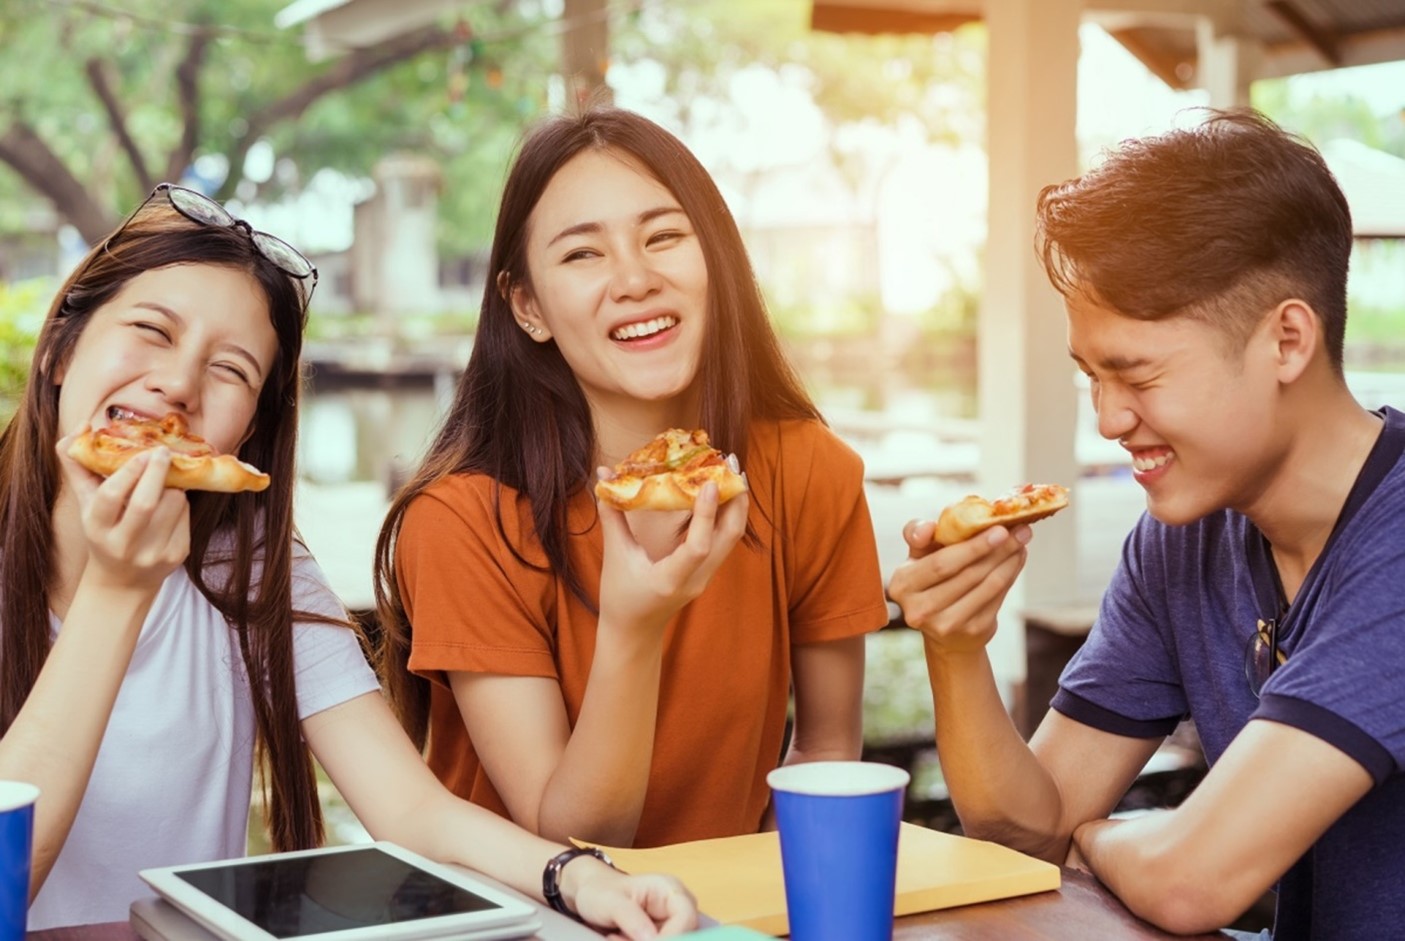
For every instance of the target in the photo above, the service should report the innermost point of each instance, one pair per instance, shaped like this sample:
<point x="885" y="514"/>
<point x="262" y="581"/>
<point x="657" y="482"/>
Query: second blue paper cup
<point x="16" y="837"/>
<point x="838" y="824"/>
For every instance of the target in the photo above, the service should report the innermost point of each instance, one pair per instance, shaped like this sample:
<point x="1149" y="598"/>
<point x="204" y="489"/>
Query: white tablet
<point x="374" y="891"/>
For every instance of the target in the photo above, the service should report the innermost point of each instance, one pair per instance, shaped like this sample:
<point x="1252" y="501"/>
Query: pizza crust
<point x="667" y="491"/>
<point x="974" y="514"/>
<point x="646" y="481"/>
<point x="194" y="464"/>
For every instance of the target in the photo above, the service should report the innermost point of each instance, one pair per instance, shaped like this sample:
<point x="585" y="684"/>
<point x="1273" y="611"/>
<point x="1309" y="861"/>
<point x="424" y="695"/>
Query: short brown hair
<point x="1221" y="222"/>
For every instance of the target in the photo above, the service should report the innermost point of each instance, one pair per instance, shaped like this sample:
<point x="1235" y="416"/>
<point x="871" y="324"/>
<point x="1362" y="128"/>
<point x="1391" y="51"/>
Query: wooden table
<point x="1081" y="909"/>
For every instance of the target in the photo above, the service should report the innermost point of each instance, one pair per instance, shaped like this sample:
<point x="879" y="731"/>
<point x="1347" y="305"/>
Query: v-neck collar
<point x="1268" y="584"/>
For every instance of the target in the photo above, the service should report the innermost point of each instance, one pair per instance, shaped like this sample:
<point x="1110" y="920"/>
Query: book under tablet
<point x="347" y="893"/>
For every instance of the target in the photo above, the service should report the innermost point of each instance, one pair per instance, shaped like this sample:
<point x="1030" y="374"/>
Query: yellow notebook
<point x="738" y="880"/>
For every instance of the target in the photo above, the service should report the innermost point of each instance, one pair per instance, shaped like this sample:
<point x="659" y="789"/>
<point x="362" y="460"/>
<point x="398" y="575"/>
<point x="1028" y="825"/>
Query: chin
<point x="1177" y="512"/>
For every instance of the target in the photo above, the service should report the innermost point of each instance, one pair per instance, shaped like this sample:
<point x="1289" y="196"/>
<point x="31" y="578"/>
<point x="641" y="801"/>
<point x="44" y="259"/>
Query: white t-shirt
<point x="174" y="773"/>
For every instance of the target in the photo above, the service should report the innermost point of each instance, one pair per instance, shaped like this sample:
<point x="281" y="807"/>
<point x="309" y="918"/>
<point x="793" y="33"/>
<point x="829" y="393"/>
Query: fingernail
<point x="746" y="483"/>
<point x="1024" y="534"/>
<point x="734" y="464"/>
<point x="996" y="536"/>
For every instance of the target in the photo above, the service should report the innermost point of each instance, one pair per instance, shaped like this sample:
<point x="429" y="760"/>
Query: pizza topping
<point x="973" y="514"/>
<point x="1023" y="498"/>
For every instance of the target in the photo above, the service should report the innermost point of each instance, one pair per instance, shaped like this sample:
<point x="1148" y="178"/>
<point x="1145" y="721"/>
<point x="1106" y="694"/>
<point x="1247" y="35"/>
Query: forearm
<point x="598" y="788"/>
<point x="828" y="679"/>
<point x="999" y="789"/>
<point x="54" y="740"/>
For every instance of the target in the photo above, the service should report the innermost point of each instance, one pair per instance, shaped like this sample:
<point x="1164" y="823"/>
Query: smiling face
<point x="1200" y="420"/>
<point x="194" y="339"/>
<point x="617" y="280"/>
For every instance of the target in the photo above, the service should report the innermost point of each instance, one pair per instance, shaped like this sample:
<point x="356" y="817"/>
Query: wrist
<point x="561" y="881"/>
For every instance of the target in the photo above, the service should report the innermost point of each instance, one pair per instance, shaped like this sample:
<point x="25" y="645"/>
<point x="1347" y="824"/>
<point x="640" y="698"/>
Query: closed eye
<point x="233" y="371"/>
<point x="153" y="329"/>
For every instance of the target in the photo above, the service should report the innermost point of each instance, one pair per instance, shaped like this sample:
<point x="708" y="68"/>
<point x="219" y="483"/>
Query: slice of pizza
<point x="195" y="464"/>
<point x="974" y="514"/>
<point x="668" y="473"/>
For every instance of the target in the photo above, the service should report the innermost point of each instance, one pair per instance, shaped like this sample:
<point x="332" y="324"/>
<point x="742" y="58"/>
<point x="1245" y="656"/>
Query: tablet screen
<point x="313" y="894"/>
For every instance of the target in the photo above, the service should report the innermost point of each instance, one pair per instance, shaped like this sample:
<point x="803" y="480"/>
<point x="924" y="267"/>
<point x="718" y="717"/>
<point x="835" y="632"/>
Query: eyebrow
<point x="1115" y="363"/>
<point x="586" y="228"/>
<point x="234" y="348"/>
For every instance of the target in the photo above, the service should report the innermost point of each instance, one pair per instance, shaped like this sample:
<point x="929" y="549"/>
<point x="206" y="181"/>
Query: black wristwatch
<point x="551" y="875"/>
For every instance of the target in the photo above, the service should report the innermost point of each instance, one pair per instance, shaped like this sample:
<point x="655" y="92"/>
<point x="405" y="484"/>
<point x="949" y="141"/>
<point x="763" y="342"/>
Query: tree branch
<point x="35" y="162"/>
<point x="188" y="93"/>
<point x="96" y="70"/>
<point x="355" y="67"/>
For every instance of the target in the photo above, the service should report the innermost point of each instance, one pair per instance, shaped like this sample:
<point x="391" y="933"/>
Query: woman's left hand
<point x="635" y="908"/>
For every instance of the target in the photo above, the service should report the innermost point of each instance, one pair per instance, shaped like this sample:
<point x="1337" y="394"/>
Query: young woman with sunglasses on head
<point x="623" y="677"/>
<point x="150" y="638"/>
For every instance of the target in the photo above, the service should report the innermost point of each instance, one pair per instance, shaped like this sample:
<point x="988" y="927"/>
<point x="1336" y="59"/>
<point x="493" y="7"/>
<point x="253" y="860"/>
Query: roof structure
<point x="1293" y="36"/>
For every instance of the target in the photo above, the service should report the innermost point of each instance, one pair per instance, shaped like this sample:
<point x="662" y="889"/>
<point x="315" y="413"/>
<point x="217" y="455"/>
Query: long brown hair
<point x="252" y="526"/>
<point x="519" y="415"/>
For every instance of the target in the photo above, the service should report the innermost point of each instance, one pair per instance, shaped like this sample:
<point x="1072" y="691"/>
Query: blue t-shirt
<point x="1171" y="641"/>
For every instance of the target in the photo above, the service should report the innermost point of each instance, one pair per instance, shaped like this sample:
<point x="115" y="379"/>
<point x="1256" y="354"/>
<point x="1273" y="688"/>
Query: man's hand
<point x="953" y="593"/>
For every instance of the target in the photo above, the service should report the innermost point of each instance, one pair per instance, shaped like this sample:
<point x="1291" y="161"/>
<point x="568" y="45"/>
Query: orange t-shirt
<point x="726" y="669"/>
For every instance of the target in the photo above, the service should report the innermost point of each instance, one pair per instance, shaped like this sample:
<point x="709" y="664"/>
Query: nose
<point x="177" y="380"/>
<point x="1115" y="418"/>
<point x="632" y="277"/>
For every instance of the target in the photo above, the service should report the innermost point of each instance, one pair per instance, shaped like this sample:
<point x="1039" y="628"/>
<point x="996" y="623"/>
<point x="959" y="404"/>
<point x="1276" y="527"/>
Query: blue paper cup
<point x="838" y="825"/>
<point x="16" y="838"/>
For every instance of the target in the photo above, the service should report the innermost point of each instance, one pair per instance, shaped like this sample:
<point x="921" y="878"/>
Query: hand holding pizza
<point x="952" y="585"/>
<point x="643" y="589"/>
<point x="138" y="530"/>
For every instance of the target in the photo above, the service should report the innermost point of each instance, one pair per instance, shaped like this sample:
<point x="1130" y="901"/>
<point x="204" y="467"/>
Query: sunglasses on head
<point x="197" y="207"/>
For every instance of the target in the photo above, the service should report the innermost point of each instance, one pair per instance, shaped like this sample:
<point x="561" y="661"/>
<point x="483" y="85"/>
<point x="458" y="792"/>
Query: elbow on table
<point x="1050" y="847"/>
<point x="1187" y="902"/>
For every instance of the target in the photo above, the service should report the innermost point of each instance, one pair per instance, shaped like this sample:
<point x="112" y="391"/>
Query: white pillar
<point x="1026" y="391"/>
<point x="1226" y="64"/>
<point x="408" y="190"/>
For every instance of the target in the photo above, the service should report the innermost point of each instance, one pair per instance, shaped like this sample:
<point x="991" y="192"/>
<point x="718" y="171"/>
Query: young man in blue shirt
<point x="1262" y="594"/>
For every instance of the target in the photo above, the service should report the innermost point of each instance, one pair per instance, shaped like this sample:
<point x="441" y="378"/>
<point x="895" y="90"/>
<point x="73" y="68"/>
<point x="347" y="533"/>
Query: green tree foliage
<point x="1325" y="117"/>
<point x="101" y="100"/>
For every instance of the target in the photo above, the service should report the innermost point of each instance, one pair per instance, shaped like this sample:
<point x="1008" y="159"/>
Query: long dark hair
<point x="519" y="416"/>
<point x="1221" y="221"/>
<point x="252" y="526"/>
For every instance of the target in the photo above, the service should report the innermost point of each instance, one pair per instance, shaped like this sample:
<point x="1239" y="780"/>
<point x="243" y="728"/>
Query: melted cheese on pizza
<point x="675" y="451"/>
<point x="139" y="434"/>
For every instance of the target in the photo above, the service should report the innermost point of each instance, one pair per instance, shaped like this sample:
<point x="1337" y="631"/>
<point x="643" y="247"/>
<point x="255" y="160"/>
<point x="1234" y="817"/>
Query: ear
<point x="525" y="310"/>
<point x="1296" y="334"/>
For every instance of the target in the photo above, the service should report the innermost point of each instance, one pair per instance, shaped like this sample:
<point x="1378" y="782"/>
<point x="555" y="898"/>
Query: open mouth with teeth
<point x="118" y="413"/>
<point x="644" y="329"/>
<point x="1150" y="461"/>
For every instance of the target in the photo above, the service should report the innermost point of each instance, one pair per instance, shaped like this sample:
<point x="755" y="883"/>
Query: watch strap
<point x="551" y="875"/>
